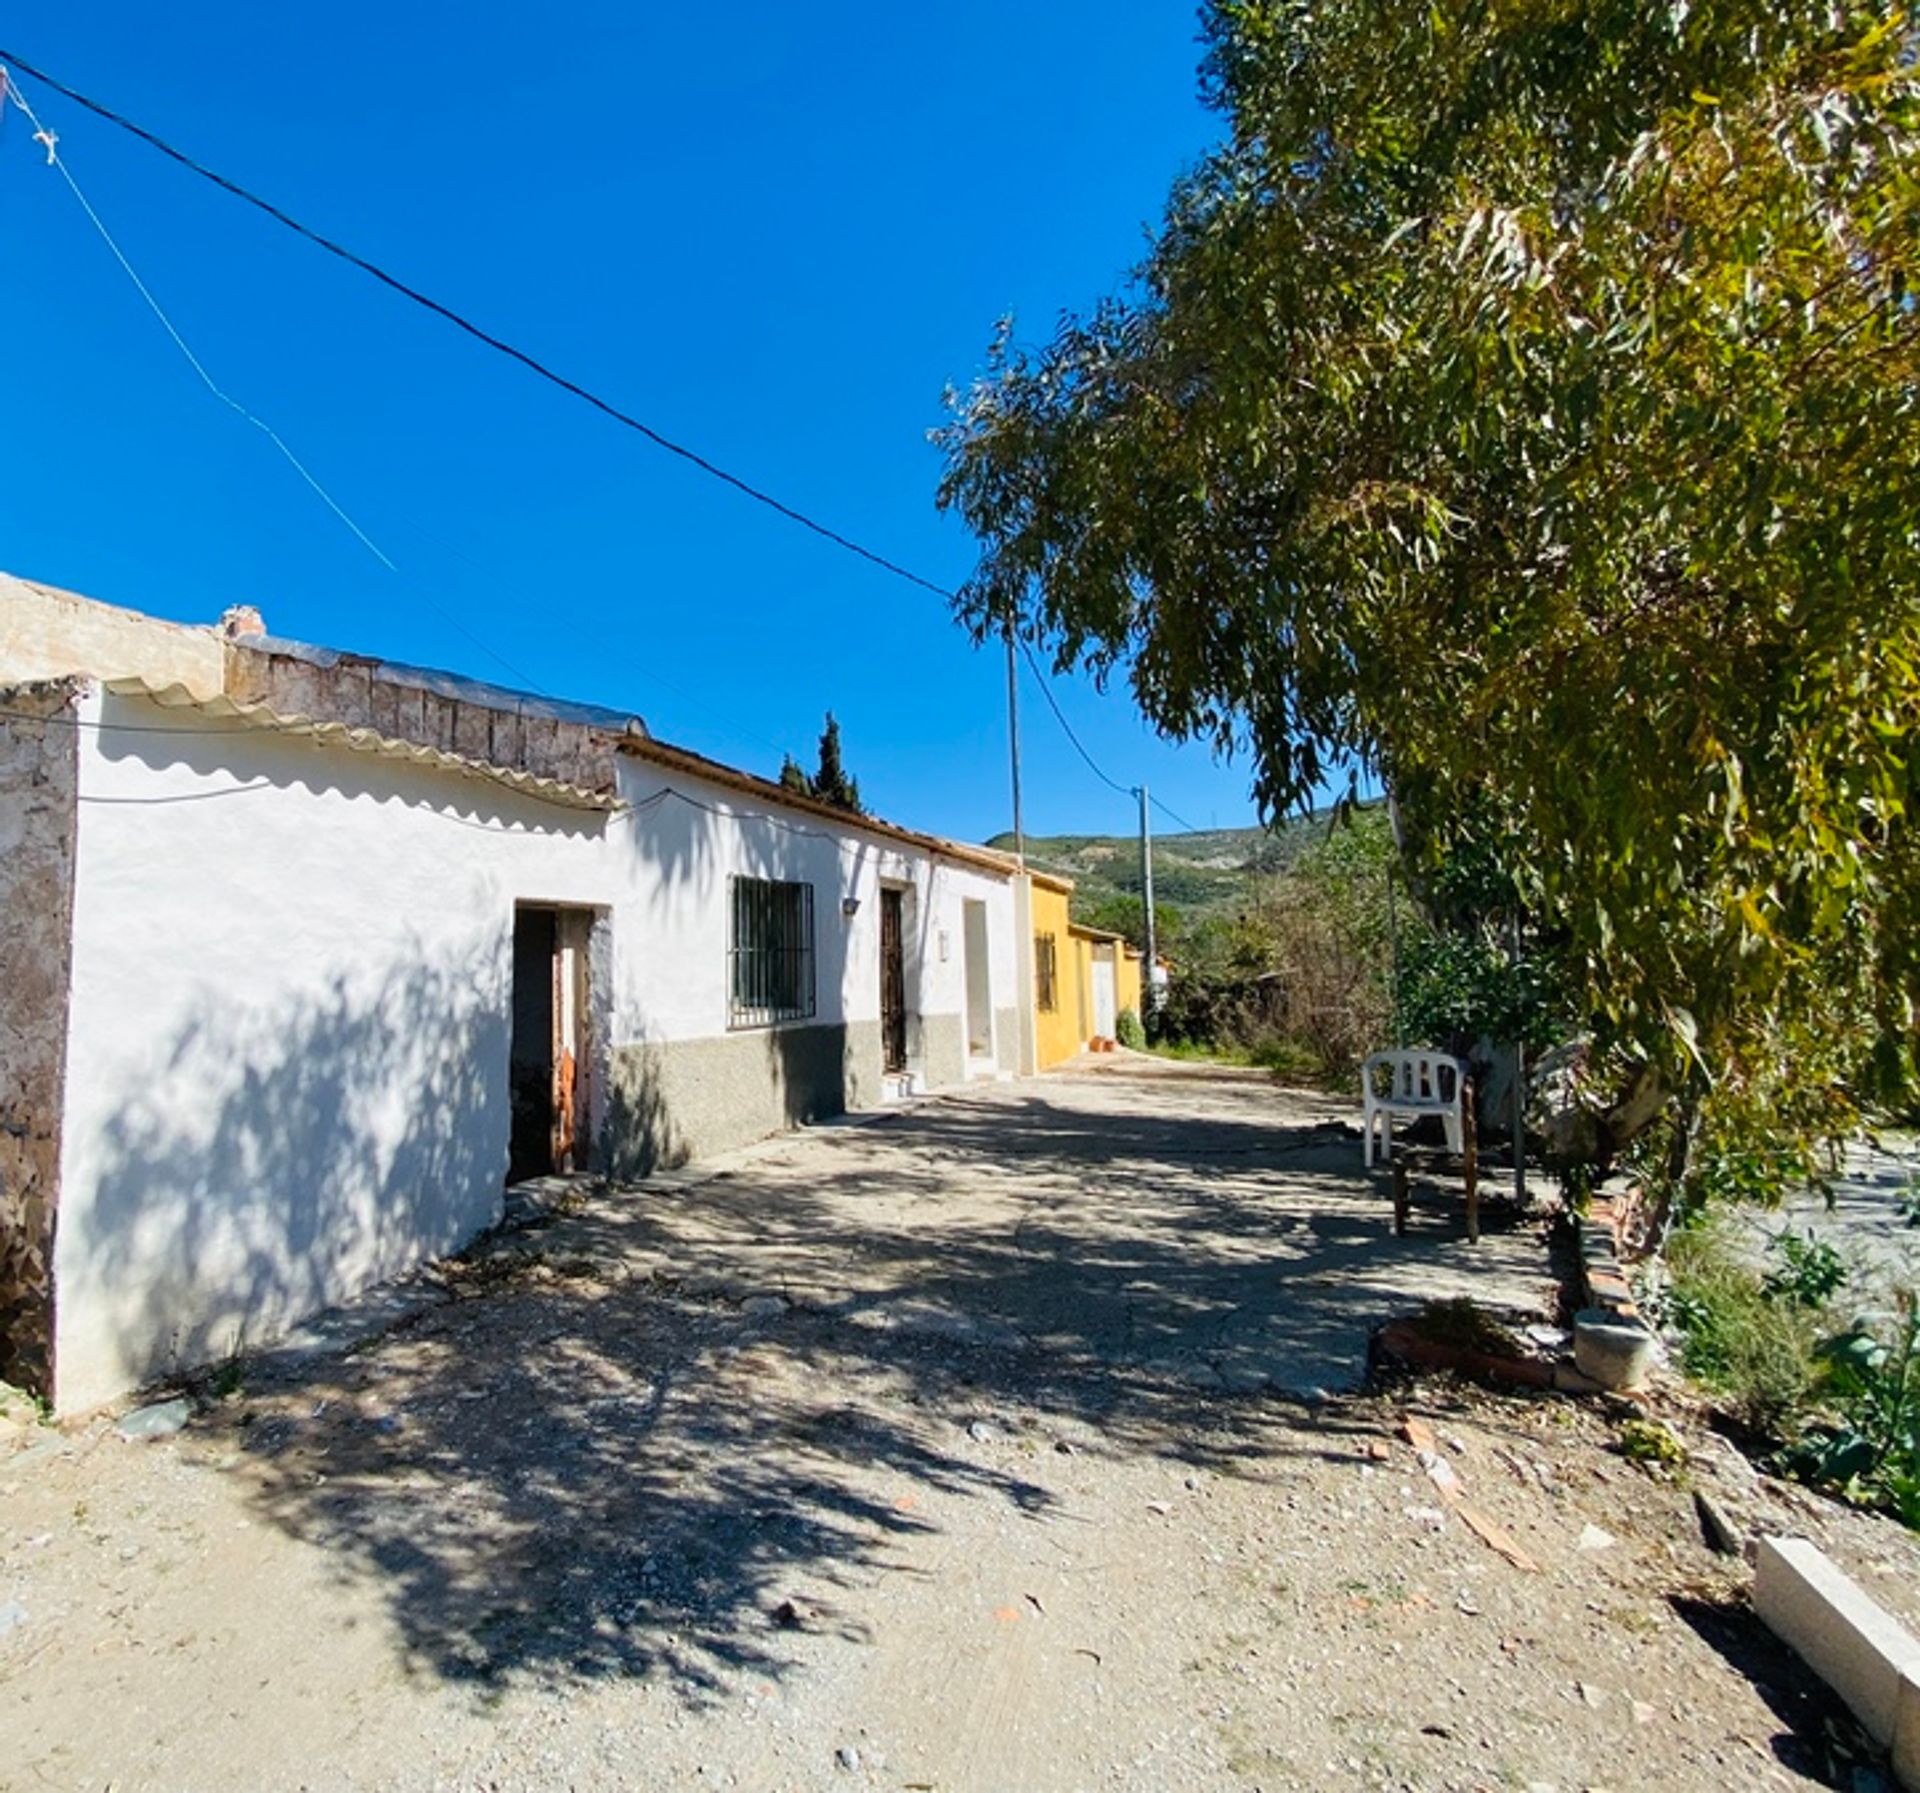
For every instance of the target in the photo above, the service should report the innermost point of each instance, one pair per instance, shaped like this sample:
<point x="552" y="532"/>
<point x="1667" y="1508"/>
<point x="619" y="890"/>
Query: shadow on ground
<point x="1819" y="1738"/>
<point x="658" y="1428"/>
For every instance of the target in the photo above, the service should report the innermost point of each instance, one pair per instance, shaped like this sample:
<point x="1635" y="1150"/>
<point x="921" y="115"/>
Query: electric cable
<point x="1059" y="716"/>
<point x="10" y="92"/>
<point x="9" y="60"/>
<point x="497" y="343"/>
<point x="1173" y="814"/>
<point x="55" y="160"/>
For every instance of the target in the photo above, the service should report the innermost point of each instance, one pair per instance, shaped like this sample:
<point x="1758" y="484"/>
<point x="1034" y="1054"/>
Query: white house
<point x="303" y="956"/>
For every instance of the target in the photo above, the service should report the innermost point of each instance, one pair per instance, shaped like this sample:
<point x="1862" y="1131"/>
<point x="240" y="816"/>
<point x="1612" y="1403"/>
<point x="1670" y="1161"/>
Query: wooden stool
<point x="1405" y="1156"/>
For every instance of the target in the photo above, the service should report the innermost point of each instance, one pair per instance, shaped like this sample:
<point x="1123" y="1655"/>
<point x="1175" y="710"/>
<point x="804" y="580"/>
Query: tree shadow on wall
<point x="348" y="1134"/>
<point x="351" y="1134"/>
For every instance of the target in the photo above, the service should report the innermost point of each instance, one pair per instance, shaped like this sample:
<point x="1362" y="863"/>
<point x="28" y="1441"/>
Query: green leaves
<point x="1872" y="1376"/>
<point x="1854" y="1358"/>
<point x="1525" y="403"/>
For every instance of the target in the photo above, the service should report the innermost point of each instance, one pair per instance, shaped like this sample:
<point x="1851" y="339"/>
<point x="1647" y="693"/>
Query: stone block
<point x="1616" y="1352"/>
<point x="1906" y="1731"/>
<point x="1854" y="1645"/>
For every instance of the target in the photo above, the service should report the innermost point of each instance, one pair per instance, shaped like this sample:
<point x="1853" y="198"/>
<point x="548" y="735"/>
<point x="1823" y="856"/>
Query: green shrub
<point x="1456" y="987"/>
<point x="1810" y="1273"/>
<point x="1756" y="1349"/>
<point x="1652" y="1441"/>
<point x="1871" y="1374"/>
<point x="1128" y="1031"/>
<point x="1293" y="1060"/>
<point x="1847" y="1404"/>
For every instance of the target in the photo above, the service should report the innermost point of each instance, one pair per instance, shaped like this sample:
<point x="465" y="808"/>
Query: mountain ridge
<point x="1203" y="874"/>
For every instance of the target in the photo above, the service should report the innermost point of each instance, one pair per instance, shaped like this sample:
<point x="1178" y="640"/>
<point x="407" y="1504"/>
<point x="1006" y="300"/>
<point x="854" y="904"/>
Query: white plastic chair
<point x="1416" y="1083"/>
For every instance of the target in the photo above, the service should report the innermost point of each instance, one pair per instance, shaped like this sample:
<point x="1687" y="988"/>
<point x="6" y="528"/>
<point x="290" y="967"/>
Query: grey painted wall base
<point x="862" y="1059"/>
<point x="943" y="1050"/>
<point x="1006" y="1037"/>
<point x="673" y="1103"/>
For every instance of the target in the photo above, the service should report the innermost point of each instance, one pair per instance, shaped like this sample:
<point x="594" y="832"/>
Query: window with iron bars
<point x="1046" y="973"/>
<point x="770" y="952"/>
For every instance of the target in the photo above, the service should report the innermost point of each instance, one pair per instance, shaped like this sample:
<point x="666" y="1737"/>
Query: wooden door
<point x="893" y="982"/>
<point x="549" y="1059"/>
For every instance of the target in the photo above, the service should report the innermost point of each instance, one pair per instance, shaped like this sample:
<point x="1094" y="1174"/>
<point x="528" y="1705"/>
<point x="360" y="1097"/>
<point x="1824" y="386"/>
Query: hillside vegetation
<point x="1278" y="937"/>
<point x="1210" y="876"/>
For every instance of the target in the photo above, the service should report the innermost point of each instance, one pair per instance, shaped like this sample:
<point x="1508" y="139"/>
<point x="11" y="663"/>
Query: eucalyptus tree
<point x="1519" y="402"/>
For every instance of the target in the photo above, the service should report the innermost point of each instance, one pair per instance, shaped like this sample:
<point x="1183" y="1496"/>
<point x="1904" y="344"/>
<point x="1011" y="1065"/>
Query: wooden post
<point x="1400" y="1196"/>
<point x="1470" y="1143"/>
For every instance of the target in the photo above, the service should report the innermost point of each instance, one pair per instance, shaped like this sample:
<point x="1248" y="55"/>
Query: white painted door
<point x="979" y="980"/>
<point x="1105" y="995"/>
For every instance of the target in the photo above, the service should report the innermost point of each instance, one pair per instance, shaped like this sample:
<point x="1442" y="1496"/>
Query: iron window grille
<point x="1046" y="973"/>
<point x="770" y="952"/>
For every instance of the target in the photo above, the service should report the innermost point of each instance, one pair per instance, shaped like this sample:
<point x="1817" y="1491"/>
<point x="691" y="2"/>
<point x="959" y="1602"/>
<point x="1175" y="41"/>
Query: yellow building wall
<point x="1063" y="1030"/>
<point x="1082" y="989"/>
<point x="1057" y="1034"/>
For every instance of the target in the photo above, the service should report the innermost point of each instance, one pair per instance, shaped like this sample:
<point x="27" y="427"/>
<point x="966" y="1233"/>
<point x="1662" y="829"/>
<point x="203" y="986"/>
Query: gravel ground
<point x="1863" y="1218"/>
<point x="1009" y="1445"/>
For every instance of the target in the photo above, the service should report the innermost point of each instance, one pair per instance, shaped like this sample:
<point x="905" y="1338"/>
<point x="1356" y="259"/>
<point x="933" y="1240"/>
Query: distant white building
<point x="303" y="955"/>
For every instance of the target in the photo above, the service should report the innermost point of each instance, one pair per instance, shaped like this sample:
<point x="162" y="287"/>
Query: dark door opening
<point x="893" y="981"/>
<point x="547" y="1061"/>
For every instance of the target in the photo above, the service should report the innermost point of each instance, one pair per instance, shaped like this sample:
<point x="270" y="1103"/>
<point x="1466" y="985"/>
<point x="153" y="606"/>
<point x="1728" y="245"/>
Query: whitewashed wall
<point x="684" y="837"/>
<point x="287" y="1069"/>
<point x="287" y="1056"/>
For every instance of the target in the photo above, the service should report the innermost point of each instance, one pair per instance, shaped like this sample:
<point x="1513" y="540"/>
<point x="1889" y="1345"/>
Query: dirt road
<point x="1002" y="1446"/>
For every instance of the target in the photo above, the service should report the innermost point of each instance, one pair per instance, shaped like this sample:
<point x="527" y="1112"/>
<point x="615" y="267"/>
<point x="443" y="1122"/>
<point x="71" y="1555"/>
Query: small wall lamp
<point x="850" y="907"/>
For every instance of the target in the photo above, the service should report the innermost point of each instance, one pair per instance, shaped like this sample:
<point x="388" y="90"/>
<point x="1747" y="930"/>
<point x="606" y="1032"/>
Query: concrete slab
<point x="1906" y="1730"/>
<point x="1853" y="1644"/>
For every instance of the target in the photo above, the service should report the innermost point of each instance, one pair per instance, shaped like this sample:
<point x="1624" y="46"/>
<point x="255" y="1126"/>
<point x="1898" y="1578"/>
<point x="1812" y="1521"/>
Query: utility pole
<point x="1150" y="994"/>
<point x="1013" y="743"/>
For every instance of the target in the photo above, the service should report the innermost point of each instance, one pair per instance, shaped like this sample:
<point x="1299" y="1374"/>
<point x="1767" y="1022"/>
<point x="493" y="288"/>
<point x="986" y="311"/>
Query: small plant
<point x="1752" y="1346"/>
<point x="1873" y="1455"/>
<point x="1811" y="1272"/>
<point x="1577" y="1186"/>
<point x="1128" y="1031"/>
<point x="1290" y="1060"/>
<point x="22" y="1408"/>
<point x="230" y="1379"/>
<point x="1652" y="1441"/>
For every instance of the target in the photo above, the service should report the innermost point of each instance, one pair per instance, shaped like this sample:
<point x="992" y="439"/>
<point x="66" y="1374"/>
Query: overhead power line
<point x="499" y="344"/>
<point x="1174" y="815"/>
<point x="1093" y="765"/>
<point x="9" y="60"/>
<point x="1059" y="716"/>
<point x="11" y="94"/>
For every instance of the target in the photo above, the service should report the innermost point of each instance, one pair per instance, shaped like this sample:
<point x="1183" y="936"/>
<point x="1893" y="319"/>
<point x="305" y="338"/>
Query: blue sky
<point x="775" y="232"/>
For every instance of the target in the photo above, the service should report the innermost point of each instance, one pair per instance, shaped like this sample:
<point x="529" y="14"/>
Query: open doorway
<point x="549" y="1064"/>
